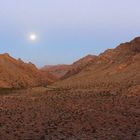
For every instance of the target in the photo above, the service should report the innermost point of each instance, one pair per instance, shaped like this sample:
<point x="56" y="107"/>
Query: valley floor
<point x="44" y="114"/>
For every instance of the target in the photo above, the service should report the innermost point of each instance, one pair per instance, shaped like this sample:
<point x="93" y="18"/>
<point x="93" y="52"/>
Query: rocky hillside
<point x="65" y="71"/>
<point x="114" y="70"/>
<point x="57" y="70"/>
<point x="51" y="78"/>
<point x="17" y="74"/>
<point x="77" y="66"/>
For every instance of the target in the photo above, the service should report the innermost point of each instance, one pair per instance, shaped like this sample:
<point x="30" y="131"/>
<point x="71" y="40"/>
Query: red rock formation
<point x="114" y="70"/>
<point x="57" y="70"/>
<point x="79" y="65"/>
<point x="65" y="71"/>
<point x="17" y="74"/>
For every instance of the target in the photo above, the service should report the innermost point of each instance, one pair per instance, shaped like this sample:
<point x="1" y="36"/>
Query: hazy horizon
<point x="66" y="30"/>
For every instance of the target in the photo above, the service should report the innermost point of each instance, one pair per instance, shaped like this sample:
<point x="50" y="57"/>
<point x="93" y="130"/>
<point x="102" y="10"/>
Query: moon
<point x="32" y="36"/>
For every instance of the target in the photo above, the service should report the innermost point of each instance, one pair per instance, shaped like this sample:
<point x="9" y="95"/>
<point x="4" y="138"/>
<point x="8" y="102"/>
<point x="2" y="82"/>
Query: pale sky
<point x="66" y="29"/>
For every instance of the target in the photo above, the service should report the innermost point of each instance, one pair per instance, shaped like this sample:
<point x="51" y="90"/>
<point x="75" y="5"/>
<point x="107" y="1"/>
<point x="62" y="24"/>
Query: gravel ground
<point x="39" y="114"/>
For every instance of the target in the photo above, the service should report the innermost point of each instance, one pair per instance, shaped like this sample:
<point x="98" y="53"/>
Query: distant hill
<point x="56" y="70"/>
<point x="115" y="69"/>
<point x="77" y="66"/>
<point x="65" y="71"/>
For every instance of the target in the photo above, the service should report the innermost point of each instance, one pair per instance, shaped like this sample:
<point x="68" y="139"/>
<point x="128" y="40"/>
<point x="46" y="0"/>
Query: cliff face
<point x="17" y="74"/>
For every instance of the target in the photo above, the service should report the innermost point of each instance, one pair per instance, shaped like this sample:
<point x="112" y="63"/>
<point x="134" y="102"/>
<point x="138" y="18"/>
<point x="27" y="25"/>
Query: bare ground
<point x="43" y="114"/>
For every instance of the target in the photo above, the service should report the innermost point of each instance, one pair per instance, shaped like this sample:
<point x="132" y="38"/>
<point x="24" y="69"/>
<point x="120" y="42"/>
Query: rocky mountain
<point x="57" y="70"/>
<point x="77" y="66"/>
<point x="51" y="78"/>
<point x="114" y="70"/>
<point x="17" y="74"/>
<point x="65" y="71"/>
<point x="117" y="69"/>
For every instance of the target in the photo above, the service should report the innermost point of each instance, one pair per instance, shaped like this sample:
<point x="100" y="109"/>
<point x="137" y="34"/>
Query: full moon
<point x="32" y="36"/>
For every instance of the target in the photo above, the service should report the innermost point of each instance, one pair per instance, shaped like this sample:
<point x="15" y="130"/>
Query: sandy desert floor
<point x="42" y="114"/>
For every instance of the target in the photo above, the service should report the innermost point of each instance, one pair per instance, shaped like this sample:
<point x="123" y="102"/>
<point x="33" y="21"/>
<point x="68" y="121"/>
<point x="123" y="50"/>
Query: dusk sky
<point x="66" y="30"/>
